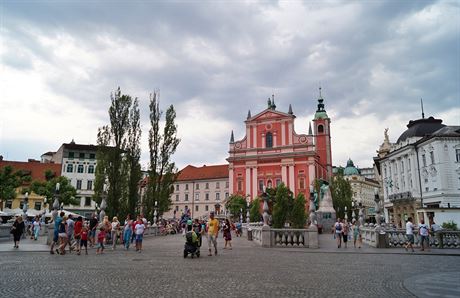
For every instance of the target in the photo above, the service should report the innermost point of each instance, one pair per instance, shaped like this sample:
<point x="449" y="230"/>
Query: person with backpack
<point x="338" y="227"/>
<point x="424" y="232"/>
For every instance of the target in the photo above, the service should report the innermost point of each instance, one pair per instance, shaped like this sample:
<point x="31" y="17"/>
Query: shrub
<point x="450" y="225"/>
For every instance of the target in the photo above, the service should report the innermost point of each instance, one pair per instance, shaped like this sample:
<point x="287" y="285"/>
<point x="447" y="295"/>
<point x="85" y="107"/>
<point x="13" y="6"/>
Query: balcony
<point x="401" y="197"/>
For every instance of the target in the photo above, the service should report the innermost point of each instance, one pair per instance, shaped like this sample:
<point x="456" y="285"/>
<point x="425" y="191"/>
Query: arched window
<point x="320" y="129"/>
<point x="269" y="140"/>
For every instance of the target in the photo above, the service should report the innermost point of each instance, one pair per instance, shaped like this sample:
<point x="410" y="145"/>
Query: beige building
<point x="199" y="190"/>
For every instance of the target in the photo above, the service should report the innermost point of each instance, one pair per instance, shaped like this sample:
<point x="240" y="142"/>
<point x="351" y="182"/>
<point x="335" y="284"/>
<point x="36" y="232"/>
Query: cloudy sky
<point x="215" y="60"/>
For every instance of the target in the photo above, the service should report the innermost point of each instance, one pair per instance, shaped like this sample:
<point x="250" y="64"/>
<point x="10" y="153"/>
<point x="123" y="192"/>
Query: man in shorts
<point x="57" y="222"/>
<point x="139" y="231"/>
<point x="409" y="234"/>
<point x="213" y="232"/>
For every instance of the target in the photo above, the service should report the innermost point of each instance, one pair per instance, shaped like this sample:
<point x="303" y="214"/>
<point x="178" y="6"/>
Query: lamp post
<point x="346" y="214"/>
<point x="353" y="210"/>
<point x="103" y="203"/>
<point x="377" y="206"/>
<point x="312" y="207"/>
<point x="56" y="201"/>
<point x="247" y="213"/>
<point x="155" y="214"/>
<point x="360" y="214"/>
<point x="241" y="215"/>
<point x="25" y="206"/>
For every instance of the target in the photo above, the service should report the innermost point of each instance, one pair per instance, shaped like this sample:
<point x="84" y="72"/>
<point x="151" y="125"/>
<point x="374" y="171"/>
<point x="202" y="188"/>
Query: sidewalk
<point x="25" y="245"/>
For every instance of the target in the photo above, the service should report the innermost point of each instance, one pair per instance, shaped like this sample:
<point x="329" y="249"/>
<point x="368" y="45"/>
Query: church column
<point x="291" y="179"/>
<point x="284" y="174"/>
<point x="248" y="136"/>
<point x="311" y="173"/>
<point x="254" y="182"/>
<point x="275" y="137"/>
<point x="283" y="134"/>
<point x="290" y="134"/>
<point x="248" y="181"/>
<point x="254" y="136"/>
<point x="230" y="179"/>
<point x="263" y="141"/>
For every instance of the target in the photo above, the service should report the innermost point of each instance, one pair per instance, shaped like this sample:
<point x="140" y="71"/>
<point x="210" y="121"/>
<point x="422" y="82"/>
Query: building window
<point x="90" y="169"/>
<point x="269" y="140"/>
<point x="301" y="183"/>
<point x="87" y="201"/>
<point x="197" y="186"/>
<point x="186" y="186"/>
<point x="89" y="185"/>
<point x="196" y="207"/>
<point x="78" y="184"/>
<point x="9" y="204"/>
<point x="71" y="154"/>
<point x="206" y="208"/>
<point x="217" y="196"/>
<point x="432" y="157"/>
<point x="226" y="184"/>
<point x="320" y="129"/>
<point x="80" y="169"/>
<point x="82" y="155"/>
<point x="38" y="205"/>
<point x="177" y="187"/>
<point x="217" y="185"/>
<point x="206" y="186"/>
<point x="206" y="197"/>
<point x="278" y="182"/>
<point x="261" y="185"/>
<point x="424" y="160"/>
<point x="197" y="197"/>
<point x="177" y="198"/>
<point x="226" y="195"/>
<point x="186" y="197"/>
<point x="92" y="156"/>
<point x="457" y="154"/>
<point x="69" y="168"/>
<point x="240" y="185"/>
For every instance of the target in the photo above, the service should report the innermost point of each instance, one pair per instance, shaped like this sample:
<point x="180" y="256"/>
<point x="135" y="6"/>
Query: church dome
<point x="350" y="169"/>
<point x="421" y="128"/>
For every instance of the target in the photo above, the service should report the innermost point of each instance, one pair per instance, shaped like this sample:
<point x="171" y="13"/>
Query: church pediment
<point x="270" y="114"/>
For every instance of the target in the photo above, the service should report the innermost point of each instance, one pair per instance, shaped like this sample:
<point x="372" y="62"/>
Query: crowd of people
<point x="78" y="234"/>
<point x="345" y="231"/>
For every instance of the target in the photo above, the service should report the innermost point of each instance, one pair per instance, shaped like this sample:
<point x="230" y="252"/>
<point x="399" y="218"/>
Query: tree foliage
<point x="254" y="212"/>
<point x="9" y="181"/>
<point x="118" y="155"/>
<point x="298" y="216"/>
<point x="47" y="189"/>
<point x="235" y="204"/>
<point x="162" y="145"/>
<point x="281" y="207"/>
<point x="341" y="195"/>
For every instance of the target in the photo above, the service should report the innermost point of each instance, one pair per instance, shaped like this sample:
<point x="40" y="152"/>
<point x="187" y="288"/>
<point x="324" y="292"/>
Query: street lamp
<point x="247" y="212"/>
<point x="25" y="207"/>
<point x="155" y="214"/>
<point x="346" y="214"/>
<point x="241" y="215"/>
<point x="56" y="201"/>
<point x="103" y="203"/>
<point x="377" y="206"/>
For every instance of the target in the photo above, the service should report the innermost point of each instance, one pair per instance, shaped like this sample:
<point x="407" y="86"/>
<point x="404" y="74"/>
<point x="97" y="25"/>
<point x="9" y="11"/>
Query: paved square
<point x="245" y="271"/>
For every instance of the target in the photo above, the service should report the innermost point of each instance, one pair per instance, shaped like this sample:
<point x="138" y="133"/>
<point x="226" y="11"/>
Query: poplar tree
<point x="341" y="193"/>
<point x="162" y="171"/>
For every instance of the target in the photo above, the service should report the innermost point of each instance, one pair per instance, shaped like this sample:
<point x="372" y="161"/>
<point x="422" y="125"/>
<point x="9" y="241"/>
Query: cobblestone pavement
<point x="246" y="271"/>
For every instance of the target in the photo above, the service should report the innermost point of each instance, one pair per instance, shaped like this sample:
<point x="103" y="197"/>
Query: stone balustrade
<point x="270" y="237"/>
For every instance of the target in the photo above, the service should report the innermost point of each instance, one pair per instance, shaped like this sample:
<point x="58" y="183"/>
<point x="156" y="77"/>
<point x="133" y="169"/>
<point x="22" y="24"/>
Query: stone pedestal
<point x="313" y="237"/>
<point x="266" y="241"/>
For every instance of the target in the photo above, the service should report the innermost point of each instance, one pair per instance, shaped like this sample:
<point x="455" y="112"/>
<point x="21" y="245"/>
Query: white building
<point x="363" y="189"/>
<point x="79" y="166"/>
<point x="421" y="173"/>
<point x="199" y="190"/>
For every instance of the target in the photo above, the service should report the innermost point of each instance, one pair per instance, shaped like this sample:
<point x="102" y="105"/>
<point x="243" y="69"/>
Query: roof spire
<point x="290" y="109"/>
<point x="273" y="106"/>
<point x="421" y="103"/>
<point x="310" y="133"/>
<point x="232" y="139"/>
<point x="249" y="114"/>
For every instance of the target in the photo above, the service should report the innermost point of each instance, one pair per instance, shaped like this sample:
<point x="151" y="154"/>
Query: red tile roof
<point x="205" y="172"/>
<point x="35" y="169"/>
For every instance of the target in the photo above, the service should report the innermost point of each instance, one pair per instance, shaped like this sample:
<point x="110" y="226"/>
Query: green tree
<point x="116" y="156"/>
<point x="163" y="171"/>
<point x="254" y="212"/>
<point x="341" y="195"/>
<point x="47" y="189"/>
<point x="282" y="205"/>
<point x="234" y="204"/>
<point x="298" y="216"/>
<point x="9" y="181"/>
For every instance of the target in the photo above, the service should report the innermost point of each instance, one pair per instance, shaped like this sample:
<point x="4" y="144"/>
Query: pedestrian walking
<point x="227" y="231"/>
<point x="37" y="225"/>
<point x="338" y="232"/>
<point x="17" y="230"/>
<point x="84" y="239"/>
<point x="77" y="233"/>
<point x="93" y="222"/>
<point x="345" y="231"/>
<point x="409" y="234"/>
<point x="115" y="231"/>
<point x="213" y="232"/>
<point x="424" y="232"/>
<point x="357" y="238"/>
<point x="100" y="240"/>
<point x="63" y="237"/>
<point x="57" y="222"/>
<point x="139" y="230"/>
<point x="127" y="231"/>
<point x="107" y="228"/>
<point x="70" y="232"/>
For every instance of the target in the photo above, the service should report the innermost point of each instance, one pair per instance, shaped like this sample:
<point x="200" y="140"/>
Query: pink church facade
<point x="272" y="153"/>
